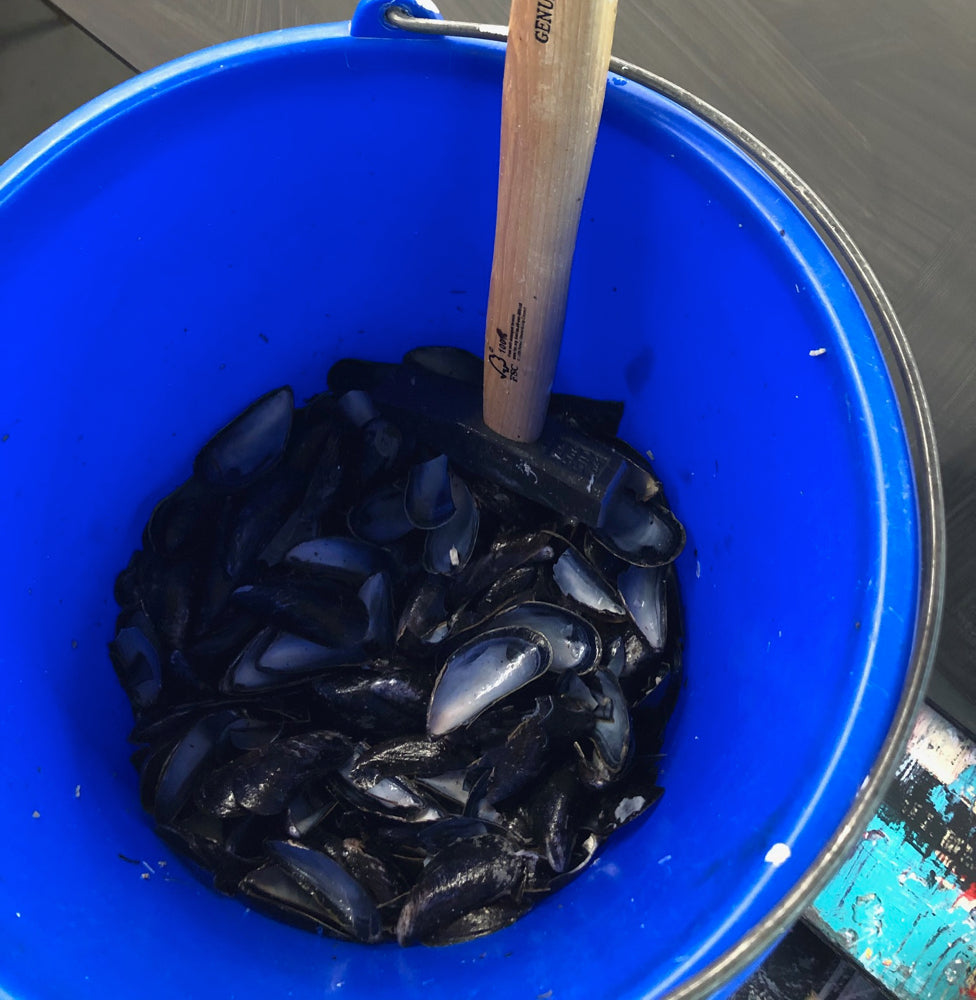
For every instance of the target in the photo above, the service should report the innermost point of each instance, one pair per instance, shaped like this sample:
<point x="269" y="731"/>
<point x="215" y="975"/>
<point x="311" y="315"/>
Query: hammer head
<point x="568" y="469"/>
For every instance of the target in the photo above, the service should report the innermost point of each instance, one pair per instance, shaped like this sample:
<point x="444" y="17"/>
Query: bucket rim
<point x="900" y="365"/>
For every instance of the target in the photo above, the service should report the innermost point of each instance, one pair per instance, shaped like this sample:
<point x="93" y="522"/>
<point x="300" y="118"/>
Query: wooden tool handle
<point x="555" y="80"/>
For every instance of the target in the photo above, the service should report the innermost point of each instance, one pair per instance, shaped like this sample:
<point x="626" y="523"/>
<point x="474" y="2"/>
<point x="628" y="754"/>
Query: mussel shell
<point x="318" y="610"/>
<point x="380" y="518"/>
<point x="264" y="781"/>
<point x="336" y="557"/>
<point x="250" y="445"/>
<point x="379" y="701"/>
<point x="479" y="922"/>
<point x="633" y="796"/>
<point x="424" y="609"/>
<point x="272" y="890"/>
<point x="575" y="642"/>
<point x="379" y="878"/>
<point x="612" y="738"/>
<point x="272" y="659"/>
<point x="383" y="448"/>
<point x="644" y="590"/>
<point x="136" y="660"/>
<point x="186" y="762"/>
<point x="551" y="813"/>
<point x="464" y="876"/>
<point x="376" y="593"/>
<point x="308" y="807"/>
<point x="428" y="497"/>
<point x="332" y="886"/>
<point x="643" y="533"/>
<point x="507" y="554"/>
<point x="448" y="548"/>
<point x="453" y="362"/>
<point x="582" y="582"/>
<point x="521" y="759"/>
<point x="183" y="521"/>
<point x="389" y="797"/>
<point x="250" y="519"/>
<point x="409" y="757"/>
<point x="357" y="407"/>
<point x="482" y="672"/>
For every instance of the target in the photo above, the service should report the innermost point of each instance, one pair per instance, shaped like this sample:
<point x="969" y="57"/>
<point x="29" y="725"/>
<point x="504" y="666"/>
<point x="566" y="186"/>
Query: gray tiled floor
<point x="48" y="67"/>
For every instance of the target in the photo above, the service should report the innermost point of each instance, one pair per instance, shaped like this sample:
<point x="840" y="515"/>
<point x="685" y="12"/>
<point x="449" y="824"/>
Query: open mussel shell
<point x="424" y="615"/>
<point x="482" y="672"/>
<point x="641" y="532"/>
<point x="250" y="445"/>
<point x="449" y="546"/>
<point x="357" y="407"/>
<point x="185" y="763"/>
<point x="575" y="642"/>
<point x="317" y="610"/>
<point x="272" y="890"/>
<point x="273" y="659"/>
<point x="381" y="517"/>
<point x="644" y="590"/>
<point x="428" y="498"/>
<point x="579" y="580"/>
<point x="135" y="656"/>
<point x="338" y="557"/>
<point x="612" y="732"/>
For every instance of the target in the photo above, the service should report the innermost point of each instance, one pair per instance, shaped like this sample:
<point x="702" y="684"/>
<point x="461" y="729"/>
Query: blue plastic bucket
<point x="239" y="219"/>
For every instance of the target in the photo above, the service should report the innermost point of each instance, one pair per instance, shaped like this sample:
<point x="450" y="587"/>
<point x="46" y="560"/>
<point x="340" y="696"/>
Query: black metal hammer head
<point x="566" y="469"/>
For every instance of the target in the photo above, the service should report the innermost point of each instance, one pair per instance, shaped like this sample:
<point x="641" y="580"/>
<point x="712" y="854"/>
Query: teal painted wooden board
<point x="904" y="904"/>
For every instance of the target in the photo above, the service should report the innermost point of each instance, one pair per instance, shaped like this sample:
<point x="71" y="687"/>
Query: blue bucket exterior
<point x="241" y="218"/>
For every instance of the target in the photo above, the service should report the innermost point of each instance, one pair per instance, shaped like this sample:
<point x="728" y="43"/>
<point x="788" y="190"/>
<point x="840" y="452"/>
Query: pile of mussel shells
<point x="377" y="694"/>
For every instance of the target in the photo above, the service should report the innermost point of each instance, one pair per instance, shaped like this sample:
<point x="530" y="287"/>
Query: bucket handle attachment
<point x="371" y="18"/>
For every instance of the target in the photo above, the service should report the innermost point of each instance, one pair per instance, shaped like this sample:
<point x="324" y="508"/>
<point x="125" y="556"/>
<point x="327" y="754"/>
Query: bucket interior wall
<point x="241" y="220"/>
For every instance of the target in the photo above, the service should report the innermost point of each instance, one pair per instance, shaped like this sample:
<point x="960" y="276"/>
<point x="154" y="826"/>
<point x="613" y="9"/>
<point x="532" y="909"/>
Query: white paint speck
<point x="778" y="854"/>
<point x="35" y="815"/>
<point x="664" y="860"/>
<point x="454" y="557"/>
<point x="817" y="351"/>
<point x="697" y="569"/>
<point x="589" y="485"/>
<point x="797" y="287"/>
<point x="527" y="470"/>
<point x="17" y="914"/>
<point x="77" y="791"/>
